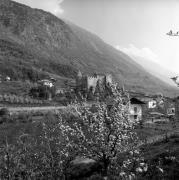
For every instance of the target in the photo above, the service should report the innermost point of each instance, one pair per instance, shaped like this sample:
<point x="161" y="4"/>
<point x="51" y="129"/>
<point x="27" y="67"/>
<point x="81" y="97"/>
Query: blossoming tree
<point x="103" y="134"/>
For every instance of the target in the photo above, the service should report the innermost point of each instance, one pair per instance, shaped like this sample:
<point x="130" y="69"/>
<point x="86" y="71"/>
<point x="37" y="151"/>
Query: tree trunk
<point x="105" y="167"/>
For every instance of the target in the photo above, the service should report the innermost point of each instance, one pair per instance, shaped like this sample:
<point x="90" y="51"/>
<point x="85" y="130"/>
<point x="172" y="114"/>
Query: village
<point x="93" y="89"/>
<point x="156" y="116"/>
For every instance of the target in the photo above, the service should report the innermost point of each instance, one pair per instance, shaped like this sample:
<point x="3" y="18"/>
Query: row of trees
<point x="14" y="99"/>
<point x="42" y="92"/>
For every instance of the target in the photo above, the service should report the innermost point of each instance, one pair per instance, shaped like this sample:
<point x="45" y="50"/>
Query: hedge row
<point x="14" y="99"/>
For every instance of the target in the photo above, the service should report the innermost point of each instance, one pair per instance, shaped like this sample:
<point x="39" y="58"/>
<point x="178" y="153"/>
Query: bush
<point x="3" y="120"/>
<point x="4" y="115"/>
<point x="4" y="112"/>
<point x="96" y="177"/>
<point x="23" y="117"/>
<point x="83" y="171"/>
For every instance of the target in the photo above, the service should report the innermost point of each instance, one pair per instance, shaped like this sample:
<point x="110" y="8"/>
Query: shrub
<point x="3" y="120"/>
<point x="4" y="112"/>
<point x="22" y="117"/>
<point x="83" y="170"/>
<point x="96" y="177"/>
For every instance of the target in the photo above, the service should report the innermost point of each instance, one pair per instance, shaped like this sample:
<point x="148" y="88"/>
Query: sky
<point x="136" y="27"/>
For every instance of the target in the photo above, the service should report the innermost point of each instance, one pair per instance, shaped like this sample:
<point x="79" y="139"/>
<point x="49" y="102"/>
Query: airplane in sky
<point x="176" y="80"/>
<point x="171" y="33"/>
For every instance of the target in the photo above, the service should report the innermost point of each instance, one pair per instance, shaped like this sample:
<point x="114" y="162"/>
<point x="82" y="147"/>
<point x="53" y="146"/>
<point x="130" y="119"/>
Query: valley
<point x="72" y="107"/>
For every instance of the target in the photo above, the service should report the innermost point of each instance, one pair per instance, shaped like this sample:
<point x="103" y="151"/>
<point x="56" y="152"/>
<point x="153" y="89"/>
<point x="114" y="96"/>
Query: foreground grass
<point x="162" y="159"/>
<point x="158" y="156"/>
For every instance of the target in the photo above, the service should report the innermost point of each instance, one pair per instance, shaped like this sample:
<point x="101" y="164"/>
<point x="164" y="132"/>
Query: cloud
<point x="53" y="6"/>
<point x="145" y="52"/>
<point x="59" y="10"/>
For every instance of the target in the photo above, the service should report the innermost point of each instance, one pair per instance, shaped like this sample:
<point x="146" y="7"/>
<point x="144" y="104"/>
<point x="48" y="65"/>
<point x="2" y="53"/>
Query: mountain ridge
<point x="156" y="69"/>
<point x="36" y="42"/>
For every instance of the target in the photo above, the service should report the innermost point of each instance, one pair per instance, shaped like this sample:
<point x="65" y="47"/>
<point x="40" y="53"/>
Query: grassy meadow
<point x="23" y="130"/>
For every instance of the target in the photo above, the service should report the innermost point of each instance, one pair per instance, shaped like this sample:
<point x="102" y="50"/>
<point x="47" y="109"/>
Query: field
<point x="154" y="129"/>
<point x="15" y="87"/>
<point x="28" y="127"/>
<point x="27" y="119"/>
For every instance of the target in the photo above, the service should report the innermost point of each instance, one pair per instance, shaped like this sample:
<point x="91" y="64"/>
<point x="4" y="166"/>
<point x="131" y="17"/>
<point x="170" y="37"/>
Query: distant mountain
<point x="34" y="43"/>
<point x="156" y="70"/>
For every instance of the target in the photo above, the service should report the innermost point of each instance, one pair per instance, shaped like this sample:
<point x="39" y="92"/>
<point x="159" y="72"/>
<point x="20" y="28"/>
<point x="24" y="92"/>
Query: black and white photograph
<point x="89" y="89"/>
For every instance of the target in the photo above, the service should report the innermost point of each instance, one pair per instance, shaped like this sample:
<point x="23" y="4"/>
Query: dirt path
<point x="29" y="109"/>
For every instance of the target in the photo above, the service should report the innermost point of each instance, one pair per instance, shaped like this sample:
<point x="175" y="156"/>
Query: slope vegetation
<point x="34" y="43"/>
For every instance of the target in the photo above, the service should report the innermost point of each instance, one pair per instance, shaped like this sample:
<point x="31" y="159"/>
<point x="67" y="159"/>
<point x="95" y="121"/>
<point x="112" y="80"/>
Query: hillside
<point x="156" y="69"/>
<point x="34" y="43"/>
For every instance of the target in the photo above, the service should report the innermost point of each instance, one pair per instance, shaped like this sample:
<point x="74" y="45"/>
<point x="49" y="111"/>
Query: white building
<point x="46" y="82"/>
<point x="152" y="104"/>
<point x="135" y="109"/>
<point x="7" y="78"/>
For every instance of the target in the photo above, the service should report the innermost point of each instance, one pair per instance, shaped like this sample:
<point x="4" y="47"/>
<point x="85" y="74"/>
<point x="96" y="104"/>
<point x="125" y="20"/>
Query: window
<point x="135" y="116"/>
<point x="135" y="109"/>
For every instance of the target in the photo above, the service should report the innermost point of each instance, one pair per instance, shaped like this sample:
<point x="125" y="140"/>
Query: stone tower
<point x="79" y="75"/>
<point x="79" y="79"/>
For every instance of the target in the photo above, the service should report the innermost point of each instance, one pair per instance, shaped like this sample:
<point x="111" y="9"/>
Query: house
<point x="152" y="104"/>
<point x="46" y="82"/>
<point x="7" y="78"/>
<point x="171" y="111"/>
<point x="4" y="78"/>
<point x="136" y="109"/>
<point x="60" y="91"/>
<point x="53" y="80"/>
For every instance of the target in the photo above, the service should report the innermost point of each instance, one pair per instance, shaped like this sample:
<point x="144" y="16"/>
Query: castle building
<point x="93" y="83"/>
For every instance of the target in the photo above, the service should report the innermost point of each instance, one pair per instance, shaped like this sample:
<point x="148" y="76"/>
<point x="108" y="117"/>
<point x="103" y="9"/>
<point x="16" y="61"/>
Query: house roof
<point x="136" y="101"/>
